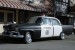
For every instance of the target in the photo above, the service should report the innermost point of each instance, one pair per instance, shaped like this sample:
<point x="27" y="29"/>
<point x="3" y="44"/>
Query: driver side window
<point x="46" y="21"/>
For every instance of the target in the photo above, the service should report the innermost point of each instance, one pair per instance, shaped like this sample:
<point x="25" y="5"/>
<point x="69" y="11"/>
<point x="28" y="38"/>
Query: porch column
<point x="5" y="17"/>
<point x="17" y="14"/>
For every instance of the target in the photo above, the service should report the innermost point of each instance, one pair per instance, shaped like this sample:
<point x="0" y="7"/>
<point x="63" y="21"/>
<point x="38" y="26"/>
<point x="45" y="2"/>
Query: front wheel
<point x="62" y="36"/>
<point x="27" y="38"/>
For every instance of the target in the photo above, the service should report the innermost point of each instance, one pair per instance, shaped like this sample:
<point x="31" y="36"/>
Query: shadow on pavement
<point x="7" y="40"/>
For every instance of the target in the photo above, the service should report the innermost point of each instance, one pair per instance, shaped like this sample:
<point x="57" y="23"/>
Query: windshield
<point x="36" y="20"/>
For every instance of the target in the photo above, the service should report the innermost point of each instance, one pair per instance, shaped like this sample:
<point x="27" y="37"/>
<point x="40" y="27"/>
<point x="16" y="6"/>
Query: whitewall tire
<point x="62" y="36"/>
<point x="27" y="38"/>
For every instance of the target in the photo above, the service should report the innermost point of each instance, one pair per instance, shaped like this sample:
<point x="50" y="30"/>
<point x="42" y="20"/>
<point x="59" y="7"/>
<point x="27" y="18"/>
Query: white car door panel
<point x="57" y="30"/>
<point x="46" y="31"/>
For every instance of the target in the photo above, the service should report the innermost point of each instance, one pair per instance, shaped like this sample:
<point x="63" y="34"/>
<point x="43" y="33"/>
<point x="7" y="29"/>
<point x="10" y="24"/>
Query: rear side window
<point x="55" y="22"/>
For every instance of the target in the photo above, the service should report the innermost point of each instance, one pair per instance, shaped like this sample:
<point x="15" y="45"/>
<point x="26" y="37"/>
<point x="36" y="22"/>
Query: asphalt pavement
<point x="41" y="44"/>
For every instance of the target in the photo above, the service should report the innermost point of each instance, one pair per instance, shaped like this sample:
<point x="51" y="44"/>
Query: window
<point x="55" y="22"/>
<point x="35" y="20"/>
<point x="32" y="20"/>
<point x="38" y="21"/>
<point x="46" y="21"/>
<point x="10" y="17"/>
<point x="22" y="17"/>
<point x="1" y="16"/>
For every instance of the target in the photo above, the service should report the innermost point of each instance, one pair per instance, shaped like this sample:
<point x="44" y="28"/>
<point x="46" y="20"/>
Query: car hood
<point x="22" y="26"/>
<point x="28" y="25"/>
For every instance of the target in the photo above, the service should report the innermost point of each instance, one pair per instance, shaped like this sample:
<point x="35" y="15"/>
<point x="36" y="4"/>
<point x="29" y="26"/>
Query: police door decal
<point x="46" y="31"/>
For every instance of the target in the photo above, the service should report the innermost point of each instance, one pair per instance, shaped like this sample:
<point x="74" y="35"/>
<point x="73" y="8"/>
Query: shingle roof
<point x="17" y="5"/>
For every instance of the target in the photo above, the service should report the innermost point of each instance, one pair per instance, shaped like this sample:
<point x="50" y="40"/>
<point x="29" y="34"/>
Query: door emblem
<point x="47" y="32"/>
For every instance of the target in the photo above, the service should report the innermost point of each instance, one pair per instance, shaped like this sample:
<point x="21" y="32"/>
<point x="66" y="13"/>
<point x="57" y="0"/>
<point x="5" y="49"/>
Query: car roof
<point x="46" y="17"/>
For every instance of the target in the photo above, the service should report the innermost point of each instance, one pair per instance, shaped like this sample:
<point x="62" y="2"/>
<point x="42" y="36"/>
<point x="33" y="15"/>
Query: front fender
<point x="35" y="33"/>
<point x="23" y="31"/>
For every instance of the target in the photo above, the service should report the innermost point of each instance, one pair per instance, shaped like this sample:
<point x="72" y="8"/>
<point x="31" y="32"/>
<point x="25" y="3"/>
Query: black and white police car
<point x="35" y="28"/>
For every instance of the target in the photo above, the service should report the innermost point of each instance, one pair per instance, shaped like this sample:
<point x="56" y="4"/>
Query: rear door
<point x="56" y="27"/>
<point x="46" y="28"/>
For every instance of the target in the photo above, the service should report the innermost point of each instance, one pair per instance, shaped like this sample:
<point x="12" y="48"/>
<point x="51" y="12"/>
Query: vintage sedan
<point x="36" y="28"/>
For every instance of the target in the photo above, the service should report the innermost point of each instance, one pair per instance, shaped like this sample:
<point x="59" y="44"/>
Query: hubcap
<point x="62" y="36"/>
<point x="28" y="37"/>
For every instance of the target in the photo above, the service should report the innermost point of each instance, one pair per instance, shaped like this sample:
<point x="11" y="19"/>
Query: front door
<point x="46" y="28"/>
<point x="5" y="17"/>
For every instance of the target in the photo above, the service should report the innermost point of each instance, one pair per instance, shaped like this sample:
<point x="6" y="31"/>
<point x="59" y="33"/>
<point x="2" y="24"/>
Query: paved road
<point x="49" y="44"/>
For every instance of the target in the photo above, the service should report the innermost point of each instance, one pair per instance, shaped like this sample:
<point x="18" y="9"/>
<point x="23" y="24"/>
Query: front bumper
<point x="13" y="34"/>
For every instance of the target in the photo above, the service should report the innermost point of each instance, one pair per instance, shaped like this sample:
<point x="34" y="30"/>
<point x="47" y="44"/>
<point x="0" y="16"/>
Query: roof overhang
<point x="18" y="5"/>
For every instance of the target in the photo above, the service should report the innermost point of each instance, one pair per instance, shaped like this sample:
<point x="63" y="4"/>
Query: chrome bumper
<point x="13" y="34"/>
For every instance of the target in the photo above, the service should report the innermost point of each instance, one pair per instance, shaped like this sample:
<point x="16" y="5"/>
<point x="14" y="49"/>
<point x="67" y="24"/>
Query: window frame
<point x="48" y="21"/>
<point x="57" y="21"/>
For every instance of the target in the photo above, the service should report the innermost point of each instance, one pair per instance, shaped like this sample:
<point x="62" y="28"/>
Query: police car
<point x="36" y="28"/>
